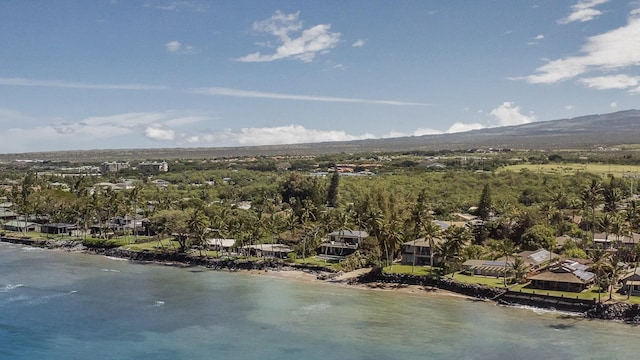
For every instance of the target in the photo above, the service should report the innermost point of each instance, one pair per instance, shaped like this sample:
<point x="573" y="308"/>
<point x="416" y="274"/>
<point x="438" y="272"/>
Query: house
<point x="58" y="228"/>
<point x="21" y="226"/>
<point x="631" y="282"/>
<point x="534" y="259"/>
<point x="494" y="268"/>
<point x="608" y="241"/>
<point x="340" y="244"/>
<point x="121" y="224"/>
<point x="531" y="259"/>
<point x="279" y="251"/>
<point x="221" y="244"/>
<point x="7" y="214"/>
<point x="421" y="249"/>
<point x="567" y="275"/>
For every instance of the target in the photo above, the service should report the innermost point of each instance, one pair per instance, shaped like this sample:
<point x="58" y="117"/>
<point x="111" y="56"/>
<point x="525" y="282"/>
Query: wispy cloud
<point x="583" y="11"/>
<point x="359" y="43"/>
<point x="219" y="91"/>
<point x="194" y="6"/>
<point x="620" y="81"/>
<point x="309" y="43"/>
<point x="76" y="85"/>
<point x="175" y="47"/>
<point x="615" y="50"/>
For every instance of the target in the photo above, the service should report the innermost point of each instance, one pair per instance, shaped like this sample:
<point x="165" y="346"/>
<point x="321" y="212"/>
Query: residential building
<point x="111" y="167"/>
<point x="421" y="249"/>
<point x="155" y="166"/>
<point x="567" y="275"/>
<point x="340" y="244"/>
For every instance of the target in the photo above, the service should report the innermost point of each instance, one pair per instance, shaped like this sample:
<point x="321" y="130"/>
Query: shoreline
<point x="362" y="279"/>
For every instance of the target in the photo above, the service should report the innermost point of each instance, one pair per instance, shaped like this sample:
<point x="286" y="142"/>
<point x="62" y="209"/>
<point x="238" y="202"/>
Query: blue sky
<point x="165" y="73"/>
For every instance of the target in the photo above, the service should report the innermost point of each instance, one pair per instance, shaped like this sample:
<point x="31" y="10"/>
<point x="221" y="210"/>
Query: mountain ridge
<point x="584" y="132"/>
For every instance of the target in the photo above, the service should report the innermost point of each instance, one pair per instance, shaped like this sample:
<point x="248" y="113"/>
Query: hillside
<point x="585" y="132"/>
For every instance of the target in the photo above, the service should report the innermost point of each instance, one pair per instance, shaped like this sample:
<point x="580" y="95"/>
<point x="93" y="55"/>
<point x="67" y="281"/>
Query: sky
<point x="106" y="74"/>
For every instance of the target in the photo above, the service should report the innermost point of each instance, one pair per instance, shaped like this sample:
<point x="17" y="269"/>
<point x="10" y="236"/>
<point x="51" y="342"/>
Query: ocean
<point x="60" y="305"/>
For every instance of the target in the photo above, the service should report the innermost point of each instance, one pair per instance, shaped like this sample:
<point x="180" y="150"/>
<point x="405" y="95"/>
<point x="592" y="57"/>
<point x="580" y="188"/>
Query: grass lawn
<point x="572" y="168"/>
<point x="406" y="269"/>
<point x="153" y="245"/>
<point x="480" y="280"/>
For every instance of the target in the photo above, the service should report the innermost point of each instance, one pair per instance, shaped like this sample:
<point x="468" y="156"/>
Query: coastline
<point x="362" y="279"/>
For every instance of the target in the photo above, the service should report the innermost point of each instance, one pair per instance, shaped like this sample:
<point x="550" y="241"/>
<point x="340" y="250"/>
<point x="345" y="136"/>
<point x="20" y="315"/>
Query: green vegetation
<point x="524" y="201"/>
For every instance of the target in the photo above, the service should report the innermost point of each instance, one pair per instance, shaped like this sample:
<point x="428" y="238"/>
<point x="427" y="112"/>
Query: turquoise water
<point x="58" y="305"/>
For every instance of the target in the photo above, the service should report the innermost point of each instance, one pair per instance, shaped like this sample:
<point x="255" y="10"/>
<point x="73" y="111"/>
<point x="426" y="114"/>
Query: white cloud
<point x="279" y="135"/>
<point x="359" y="43"/>
<point x="173" y="46"/>
<point x="76" y="85"/>
<point x="157" y="133"/>
<point x="218" y="91"/>
<point x="569" y="107"/>
<point x="620" y="81"/>
<point x="176" y="47"/>
<point x="611" y="51"/>
<point x="508" y="114"/>
<point x="583" y="11"/>
<point x="312" y="41"/>
<point x="462" y="127"/>
<point x="613" y="105"/>
<point x="539" y="37"/>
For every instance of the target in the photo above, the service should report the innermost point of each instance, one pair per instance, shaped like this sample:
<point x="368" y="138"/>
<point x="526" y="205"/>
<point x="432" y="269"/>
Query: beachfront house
<point x="532" y="259"/>
<point x="421" y="249"/>
<point x="278" y="251"/>
<point x="494" y="268"/>
<point x="567" y="275"/>
<point x="340" y="244"/>
<point x="221" y="245"/>
<point x="59" y="229"/>
<point x="21" y="226"/>
<point x="631" y="282"/>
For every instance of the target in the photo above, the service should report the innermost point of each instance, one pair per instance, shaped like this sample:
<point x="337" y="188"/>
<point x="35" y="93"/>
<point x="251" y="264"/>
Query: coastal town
<point x="566" y="241"/>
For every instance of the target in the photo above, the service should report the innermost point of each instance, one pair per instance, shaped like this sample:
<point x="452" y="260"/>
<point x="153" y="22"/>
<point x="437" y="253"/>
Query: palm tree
<point x="134" y="198"/>
<point x="519" y="268"/>
<point x="456" y="238"/>
<point x="198" y="228"/>
<point x="600" y="265"/>
<point x="431" y="231"/>
<point x="506" y="248"/>
<point x="592" y="197"/>
<point x="615" y="268"/>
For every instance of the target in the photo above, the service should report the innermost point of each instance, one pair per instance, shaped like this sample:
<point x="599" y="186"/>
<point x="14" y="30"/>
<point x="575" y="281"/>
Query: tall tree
<point x="485" y="204"/>
<point x="332" y="191"/>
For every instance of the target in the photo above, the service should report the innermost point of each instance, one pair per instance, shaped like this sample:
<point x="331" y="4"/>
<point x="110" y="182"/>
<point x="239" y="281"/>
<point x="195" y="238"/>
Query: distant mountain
<point x="585" y="132"/>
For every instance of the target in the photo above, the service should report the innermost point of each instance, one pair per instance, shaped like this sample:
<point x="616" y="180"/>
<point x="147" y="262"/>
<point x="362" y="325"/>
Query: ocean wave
<point x="538" y="310"/>
<point x="32" y="249"/>
<point x="110" y="270"/>
<point x="158" y="303"/>
<point x="46" y="298"/>
<point x="10" y="287"/>
<point x="116" y="258"/>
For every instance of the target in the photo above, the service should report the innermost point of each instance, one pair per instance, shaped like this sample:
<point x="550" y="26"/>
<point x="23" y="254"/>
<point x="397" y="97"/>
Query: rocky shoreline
<point x="617" y="311"/>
